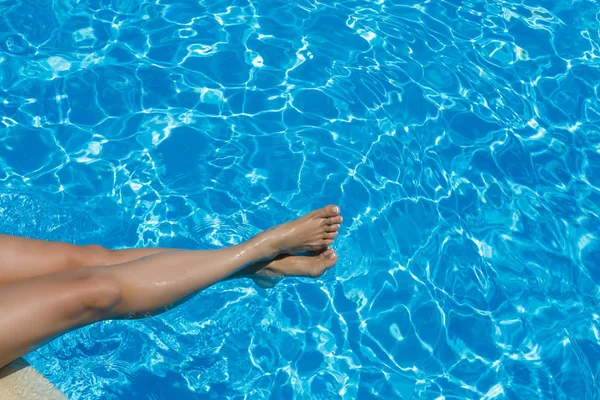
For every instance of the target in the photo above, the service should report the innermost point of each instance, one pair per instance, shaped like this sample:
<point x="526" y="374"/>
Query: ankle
<point x="261" y="246"/>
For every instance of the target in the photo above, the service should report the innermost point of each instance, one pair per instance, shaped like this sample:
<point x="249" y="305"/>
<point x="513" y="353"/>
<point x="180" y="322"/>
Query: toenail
<point x="336" y="209"/>
<point x="331" y="255"/>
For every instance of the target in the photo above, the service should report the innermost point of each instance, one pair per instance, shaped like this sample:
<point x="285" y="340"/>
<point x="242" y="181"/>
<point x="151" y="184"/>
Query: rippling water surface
<point x="461" y="139"/>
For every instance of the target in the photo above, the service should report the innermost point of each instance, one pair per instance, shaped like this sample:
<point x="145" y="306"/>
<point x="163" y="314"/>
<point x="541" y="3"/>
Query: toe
<point x="327" y="242"/>
<point x="332" y="228"/>
<point x="326" y="253"/>
<point x="330" y="258"/>
<point x="331" y="221"/>
<point x="330" y="235"/>
<point x="331" y="211"/>
<point x="335" y="220"/>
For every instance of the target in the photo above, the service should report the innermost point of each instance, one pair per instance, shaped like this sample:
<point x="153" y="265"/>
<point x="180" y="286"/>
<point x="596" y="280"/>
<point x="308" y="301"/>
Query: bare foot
<point x="267" y="274"/>
<point x="312" y="232"/>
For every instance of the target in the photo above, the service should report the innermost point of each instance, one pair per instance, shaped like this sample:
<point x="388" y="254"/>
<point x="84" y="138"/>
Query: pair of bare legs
<point x="48" y="288"/>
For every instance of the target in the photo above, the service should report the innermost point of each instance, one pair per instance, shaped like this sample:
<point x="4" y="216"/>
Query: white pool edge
<point x="20" y="381"/>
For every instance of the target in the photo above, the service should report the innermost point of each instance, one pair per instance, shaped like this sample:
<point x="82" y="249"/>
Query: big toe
<point x="328" y="258"/>
<point x="329" y="211"/>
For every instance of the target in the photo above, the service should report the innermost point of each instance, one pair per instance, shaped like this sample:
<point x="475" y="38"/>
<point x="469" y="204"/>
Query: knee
<point x="98" y="291"/>
<point x="93" y="256"/>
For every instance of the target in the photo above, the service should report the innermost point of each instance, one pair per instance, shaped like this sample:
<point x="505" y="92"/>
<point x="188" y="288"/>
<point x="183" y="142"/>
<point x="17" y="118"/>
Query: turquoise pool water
<point x="461" y="139"/>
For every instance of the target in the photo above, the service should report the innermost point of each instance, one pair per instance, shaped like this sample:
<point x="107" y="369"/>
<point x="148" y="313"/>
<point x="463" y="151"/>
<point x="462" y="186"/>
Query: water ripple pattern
<point x="461" y="138"/>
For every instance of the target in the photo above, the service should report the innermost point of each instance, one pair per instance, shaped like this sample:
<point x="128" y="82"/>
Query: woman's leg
<point x="23" y="258"/>
<point x="37" y="309"/>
